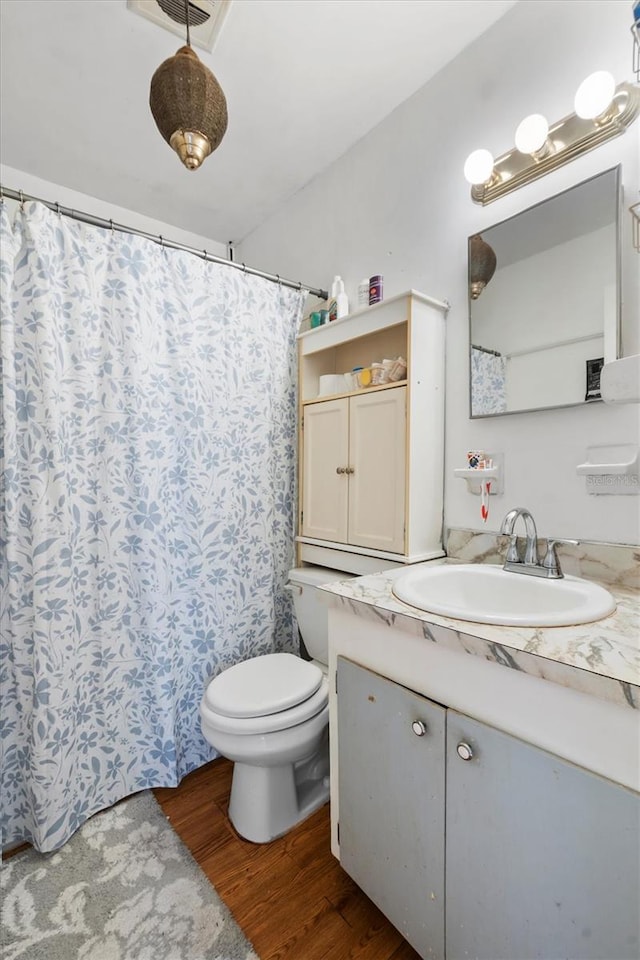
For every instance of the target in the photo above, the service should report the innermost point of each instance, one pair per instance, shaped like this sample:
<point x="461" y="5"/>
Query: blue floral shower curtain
<point x="488" y="382"/>
<point x="147" y="508"/>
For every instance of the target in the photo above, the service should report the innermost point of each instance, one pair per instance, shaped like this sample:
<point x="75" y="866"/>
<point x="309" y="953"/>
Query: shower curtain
<point x="488" y="383"/>
<point x="148" y="426"/>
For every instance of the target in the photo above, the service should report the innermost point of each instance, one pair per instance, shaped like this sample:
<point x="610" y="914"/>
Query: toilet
<point x="270" y="715"/>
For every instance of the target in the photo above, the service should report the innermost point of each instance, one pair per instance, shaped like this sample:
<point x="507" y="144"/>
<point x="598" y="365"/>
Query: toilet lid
<point x="263" y="685"/>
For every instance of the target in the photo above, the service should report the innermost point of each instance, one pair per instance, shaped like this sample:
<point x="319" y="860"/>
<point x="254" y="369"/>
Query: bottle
<point x="363" y="291"/>
<point x="338" y="304"/>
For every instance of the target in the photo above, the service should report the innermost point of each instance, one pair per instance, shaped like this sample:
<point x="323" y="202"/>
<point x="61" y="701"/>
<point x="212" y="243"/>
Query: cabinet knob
<point x="419" y="728"/>
<point x="464" y="751"/>
<point x="349" y="470"/>
<point x="341" y="469"/>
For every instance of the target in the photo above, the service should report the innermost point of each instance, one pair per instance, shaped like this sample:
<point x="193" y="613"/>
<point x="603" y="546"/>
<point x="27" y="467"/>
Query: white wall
<point x="13" y="179"/>
<point x="397" y="204"/>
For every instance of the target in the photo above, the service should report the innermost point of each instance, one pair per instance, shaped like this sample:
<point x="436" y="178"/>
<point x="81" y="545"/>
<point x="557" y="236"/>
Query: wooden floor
<point x="291" y="897"/>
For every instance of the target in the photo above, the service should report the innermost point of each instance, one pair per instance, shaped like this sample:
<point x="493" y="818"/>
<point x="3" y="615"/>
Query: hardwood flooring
<point x="291" y="897"/>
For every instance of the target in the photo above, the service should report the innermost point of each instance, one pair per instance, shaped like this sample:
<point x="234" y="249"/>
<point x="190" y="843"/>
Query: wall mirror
<point x="550" y="316"/>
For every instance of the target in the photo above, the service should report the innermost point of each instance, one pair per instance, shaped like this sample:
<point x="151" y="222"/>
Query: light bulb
<point x="478" y="167"/>
<point x="594" y="95"/>
<point x="531" y="134"/>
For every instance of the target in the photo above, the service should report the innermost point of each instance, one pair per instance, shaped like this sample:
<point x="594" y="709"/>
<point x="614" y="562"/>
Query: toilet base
<point x="266" y="802"/>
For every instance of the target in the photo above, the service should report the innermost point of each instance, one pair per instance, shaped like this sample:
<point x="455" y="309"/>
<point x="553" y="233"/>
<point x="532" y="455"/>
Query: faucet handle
<point x="551" y="562"/>
<point x="513" y="554"/>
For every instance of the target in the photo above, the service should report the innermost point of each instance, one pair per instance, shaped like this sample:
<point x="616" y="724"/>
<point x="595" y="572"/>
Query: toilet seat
<point x="263" y="685"/>
<point x="265" y="694"/>
<point x="282" y="720"/>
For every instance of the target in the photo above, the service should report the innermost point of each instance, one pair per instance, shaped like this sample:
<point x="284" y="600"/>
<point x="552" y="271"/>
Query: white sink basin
<point x="487" y="594"/>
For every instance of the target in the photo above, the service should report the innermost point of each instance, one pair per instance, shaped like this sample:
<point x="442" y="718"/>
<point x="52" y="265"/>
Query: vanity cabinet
<point x="392" y="801"/>
<point x="354" y="470"/>
<point x="475" y="843"/>
<point x="371" y="460"/>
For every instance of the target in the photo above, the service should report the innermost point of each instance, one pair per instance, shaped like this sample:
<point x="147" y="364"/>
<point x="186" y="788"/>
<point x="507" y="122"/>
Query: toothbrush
<point x="484" y="502"/>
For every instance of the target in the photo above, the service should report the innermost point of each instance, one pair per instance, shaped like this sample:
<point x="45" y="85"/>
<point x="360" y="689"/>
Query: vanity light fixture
<point x="532" y="136"/>
<point x="594" y="97"/>
<point x="479" y="167"/>
<point x="602" y="111"/>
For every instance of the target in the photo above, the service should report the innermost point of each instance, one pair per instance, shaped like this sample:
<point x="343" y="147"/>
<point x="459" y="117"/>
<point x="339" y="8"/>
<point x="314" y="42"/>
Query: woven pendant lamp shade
<point x="188" y="106"/>
<point x="482" y="265"/>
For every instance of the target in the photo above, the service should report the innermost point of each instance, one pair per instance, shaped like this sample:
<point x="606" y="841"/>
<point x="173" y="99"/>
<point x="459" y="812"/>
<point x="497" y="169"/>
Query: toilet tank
<point x="311" y="612"/>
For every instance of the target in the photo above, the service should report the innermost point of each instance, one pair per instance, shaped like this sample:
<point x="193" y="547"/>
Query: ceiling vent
<point x="205" y="18"/>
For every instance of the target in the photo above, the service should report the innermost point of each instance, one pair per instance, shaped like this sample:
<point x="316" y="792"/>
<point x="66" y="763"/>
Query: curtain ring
<point x="278" y="276"/>
<point x="244" y="268"/>
<point x="21" y="195"/>
<point x="300" y="285"/>
<point x="161" y="240"/>
<point x="57" y="208"/>
<point x="111" y="225"/>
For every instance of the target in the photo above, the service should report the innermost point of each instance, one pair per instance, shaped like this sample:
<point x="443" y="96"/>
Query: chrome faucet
<point x="514" y="563"/>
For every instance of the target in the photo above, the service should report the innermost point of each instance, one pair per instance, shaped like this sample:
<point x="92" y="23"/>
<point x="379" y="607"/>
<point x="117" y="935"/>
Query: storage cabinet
<point x="540" y="856"/>
<point x="354" y="470"/>
<point x="392" y="796"/>
<point x="388" y="438"/>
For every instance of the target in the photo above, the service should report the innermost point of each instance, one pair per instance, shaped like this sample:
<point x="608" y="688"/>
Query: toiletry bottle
<point x="363" y="293"/>
<point x="338" y="304"/>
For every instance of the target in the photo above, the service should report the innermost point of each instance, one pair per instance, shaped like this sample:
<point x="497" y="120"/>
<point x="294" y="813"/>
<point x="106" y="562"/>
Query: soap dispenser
<point x="338" y="304"/>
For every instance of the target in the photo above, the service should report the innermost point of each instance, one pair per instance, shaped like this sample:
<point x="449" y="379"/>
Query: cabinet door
<point x="542" y="856"/>
<point x="377" y="458"/>
<point x="391" y="827"/>
<point x="325" y="450"/>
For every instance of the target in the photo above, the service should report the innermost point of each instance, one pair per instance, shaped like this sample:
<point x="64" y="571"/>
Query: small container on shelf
<point x="379" y="374"/>
<point x="364" y="377"/>
<point x="396" y="369"/>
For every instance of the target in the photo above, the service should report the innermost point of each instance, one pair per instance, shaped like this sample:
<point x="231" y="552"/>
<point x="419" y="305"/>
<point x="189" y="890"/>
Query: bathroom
<point x="396" y="203"/>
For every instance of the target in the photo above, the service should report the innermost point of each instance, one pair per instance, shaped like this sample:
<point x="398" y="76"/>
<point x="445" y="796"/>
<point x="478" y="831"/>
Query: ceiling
<point x="304" y="80"/>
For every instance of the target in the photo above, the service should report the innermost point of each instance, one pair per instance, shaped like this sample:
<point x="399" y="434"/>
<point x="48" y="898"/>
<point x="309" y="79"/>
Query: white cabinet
<point x="475" y="843"/>
<point x="371" y="460"/>
<point x="354" y="470"/>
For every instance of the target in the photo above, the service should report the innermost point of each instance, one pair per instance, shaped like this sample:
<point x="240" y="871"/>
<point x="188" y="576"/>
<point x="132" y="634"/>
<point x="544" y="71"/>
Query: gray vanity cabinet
<point x="392" y="780"/>
<point x="541" y="858"/>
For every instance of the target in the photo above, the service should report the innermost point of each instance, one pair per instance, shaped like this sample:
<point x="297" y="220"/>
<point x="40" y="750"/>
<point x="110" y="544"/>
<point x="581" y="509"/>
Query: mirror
<point x="549" y="317"/>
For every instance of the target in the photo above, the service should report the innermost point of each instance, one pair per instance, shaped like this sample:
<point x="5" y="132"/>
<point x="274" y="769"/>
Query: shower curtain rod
<point x="494" y="353"/>
<point x="158" y="238"/>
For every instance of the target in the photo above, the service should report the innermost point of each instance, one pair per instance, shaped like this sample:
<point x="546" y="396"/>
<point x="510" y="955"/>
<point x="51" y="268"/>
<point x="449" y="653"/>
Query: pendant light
<point x="188" y="105"/>
<point x="482" y="265"/>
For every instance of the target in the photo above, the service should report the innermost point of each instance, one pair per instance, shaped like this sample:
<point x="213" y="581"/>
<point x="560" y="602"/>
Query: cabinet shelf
<point x="352" y="393"/>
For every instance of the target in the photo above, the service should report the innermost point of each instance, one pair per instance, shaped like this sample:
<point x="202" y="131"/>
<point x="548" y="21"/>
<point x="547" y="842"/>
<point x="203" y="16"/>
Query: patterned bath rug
<point x="124" y="887"/>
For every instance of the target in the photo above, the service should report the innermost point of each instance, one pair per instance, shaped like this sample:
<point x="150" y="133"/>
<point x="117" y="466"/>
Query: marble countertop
<point x="600" y="658"/>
